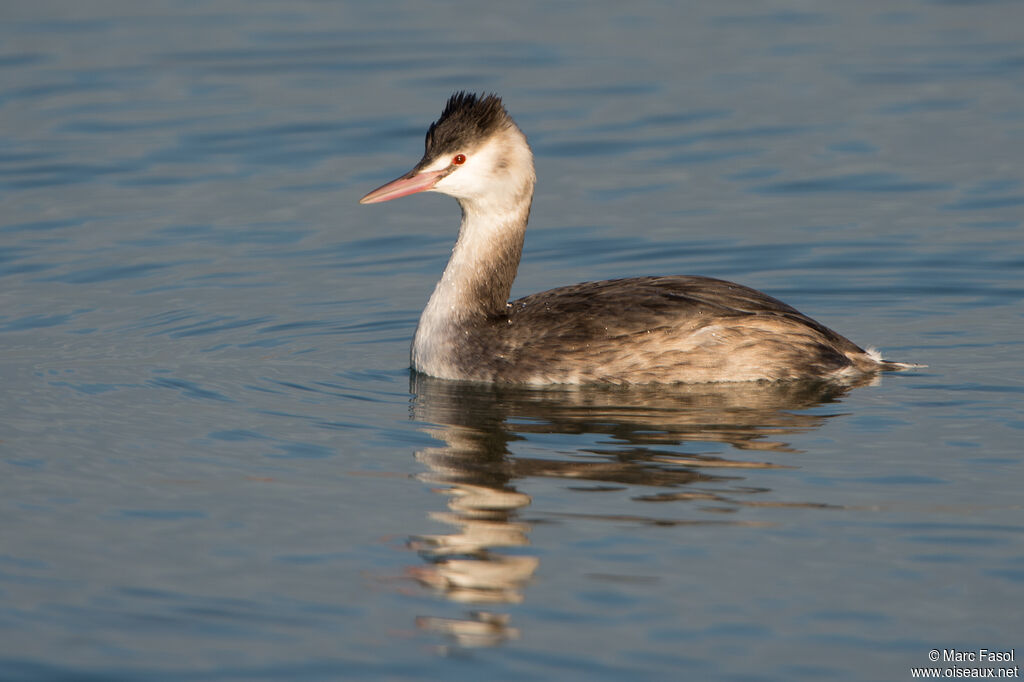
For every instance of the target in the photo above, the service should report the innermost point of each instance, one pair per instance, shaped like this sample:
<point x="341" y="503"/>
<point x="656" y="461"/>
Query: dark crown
<point x="467" y="120"/>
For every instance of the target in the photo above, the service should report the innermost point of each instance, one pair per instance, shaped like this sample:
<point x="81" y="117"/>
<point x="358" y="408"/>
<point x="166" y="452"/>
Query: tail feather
<point x="890" y="365"/>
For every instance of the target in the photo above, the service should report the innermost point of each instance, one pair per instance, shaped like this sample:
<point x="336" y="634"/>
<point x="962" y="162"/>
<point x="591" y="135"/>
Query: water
<point x="215" y="467"/>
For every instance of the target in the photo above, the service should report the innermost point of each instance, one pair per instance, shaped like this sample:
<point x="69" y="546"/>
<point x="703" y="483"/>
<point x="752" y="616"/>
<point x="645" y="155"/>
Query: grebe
<point x="675" y="329"/>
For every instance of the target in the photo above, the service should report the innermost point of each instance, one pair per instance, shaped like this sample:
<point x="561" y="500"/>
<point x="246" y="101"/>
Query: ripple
<point x="853" y="182"/>
<point x="43" y="225"/>
<point x="188" y="389"/>
<point x="214" y="325"/>
<point x="162" y="514"/>
<point x="55" y="174"/>
<point x="36" y="321"/>
<point x="108" y="273"/>
<point x="986" y="203"/>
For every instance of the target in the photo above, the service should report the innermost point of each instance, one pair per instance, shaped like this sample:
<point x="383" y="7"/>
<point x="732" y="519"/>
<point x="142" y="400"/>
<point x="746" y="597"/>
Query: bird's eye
<point x="459" y="159"/>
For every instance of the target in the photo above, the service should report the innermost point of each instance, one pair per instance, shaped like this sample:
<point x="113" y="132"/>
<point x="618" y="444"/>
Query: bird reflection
<point x="484" y="560"/>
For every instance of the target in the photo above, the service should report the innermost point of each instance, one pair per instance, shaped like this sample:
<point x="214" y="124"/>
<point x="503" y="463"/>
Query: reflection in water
<point x="475" y="470"/>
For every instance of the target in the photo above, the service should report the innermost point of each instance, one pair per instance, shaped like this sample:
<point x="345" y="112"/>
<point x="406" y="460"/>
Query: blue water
<point x="215" y="466"/>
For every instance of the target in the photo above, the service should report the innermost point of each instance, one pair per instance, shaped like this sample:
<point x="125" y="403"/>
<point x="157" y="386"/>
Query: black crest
<point x="466" y="120"/>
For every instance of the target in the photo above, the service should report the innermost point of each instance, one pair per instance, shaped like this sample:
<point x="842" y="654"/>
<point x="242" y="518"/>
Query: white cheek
<point x="471" y="178"/>
<point x="458" y="182"/>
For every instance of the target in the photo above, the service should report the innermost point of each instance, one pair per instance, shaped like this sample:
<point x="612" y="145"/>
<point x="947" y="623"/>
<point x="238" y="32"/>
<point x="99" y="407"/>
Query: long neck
<point x="475" y="284"/>
<point x="479" y="275"/>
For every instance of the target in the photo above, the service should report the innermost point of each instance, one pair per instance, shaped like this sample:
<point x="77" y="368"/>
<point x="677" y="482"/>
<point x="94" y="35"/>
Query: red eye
<point x="459" y="159"/>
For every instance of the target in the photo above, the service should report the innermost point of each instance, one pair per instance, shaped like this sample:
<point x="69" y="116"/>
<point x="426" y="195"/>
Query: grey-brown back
<point x="654" y="329"/>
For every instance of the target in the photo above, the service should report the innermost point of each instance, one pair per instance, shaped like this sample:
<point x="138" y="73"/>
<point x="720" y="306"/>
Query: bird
<point x="675" y="329"/>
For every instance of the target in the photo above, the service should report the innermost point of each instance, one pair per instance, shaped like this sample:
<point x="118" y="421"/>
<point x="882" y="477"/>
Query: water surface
<point x="218" y="468"/>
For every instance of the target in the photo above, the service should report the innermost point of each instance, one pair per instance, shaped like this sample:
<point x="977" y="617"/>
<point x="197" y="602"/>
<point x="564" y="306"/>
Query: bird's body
<point x="639" y="330"/>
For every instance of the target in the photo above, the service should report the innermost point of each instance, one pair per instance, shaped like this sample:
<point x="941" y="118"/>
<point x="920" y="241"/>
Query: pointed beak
<point x="412" y="182"/>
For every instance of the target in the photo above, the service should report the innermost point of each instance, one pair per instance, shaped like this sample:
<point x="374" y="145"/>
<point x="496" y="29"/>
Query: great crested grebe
<point x="673" y="329"/>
